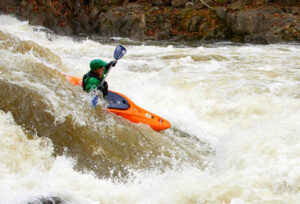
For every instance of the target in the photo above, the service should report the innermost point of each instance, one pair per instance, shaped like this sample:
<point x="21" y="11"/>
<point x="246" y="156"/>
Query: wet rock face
<point x="287" y="2"/>
<point x="120" y="23"/>
<point x="164" y="19"/>
<point x="261" y="25"/>
<point x="179" y="3"/>
<point x="247" y="22"/>
<point x="161" y="2"/>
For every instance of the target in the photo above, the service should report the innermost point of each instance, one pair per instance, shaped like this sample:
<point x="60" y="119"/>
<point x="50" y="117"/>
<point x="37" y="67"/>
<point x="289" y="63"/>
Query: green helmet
<point x="96" y="64"/>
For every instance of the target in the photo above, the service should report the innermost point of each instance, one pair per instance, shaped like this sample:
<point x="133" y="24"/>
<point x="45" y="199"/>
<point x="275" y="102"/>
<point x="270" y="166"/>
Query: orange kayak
<point x="121" y="105"/>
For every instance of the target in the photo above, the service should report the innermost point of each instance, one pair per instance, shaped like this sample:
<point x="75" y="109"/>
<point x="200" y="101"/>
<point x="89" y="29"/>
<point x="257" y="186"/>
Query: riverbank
<point x="238" y="21"/>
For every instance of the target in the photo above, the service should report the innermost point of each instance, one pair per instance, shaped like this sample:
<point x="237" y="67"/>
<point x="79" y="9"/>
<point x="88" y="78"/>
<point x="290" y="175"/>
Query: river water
<point x="234" y="110"/>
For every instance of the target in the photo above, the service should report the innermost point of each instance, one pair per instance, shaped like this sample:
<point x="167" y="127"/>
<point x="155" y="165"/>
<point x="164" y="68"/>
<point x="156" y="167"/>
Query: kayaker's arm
<point x="109" y="65"/>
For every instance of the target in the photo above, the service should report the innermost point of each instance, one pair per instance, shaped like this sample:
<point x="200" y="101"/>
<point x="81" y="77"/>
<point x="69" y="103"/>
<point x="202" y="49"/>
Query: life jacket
<point x="89" y="75"/>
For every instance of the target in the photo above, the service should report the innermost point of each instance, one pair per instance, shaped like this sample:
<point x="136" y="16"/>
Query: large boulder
<point x="288" y="2"/>
<point x="252" y="21"/>
<point x="179" y="3"/>
<point x="115" y="23"/>
<point x="261" y="25"/>
<point x="161" y="2"/>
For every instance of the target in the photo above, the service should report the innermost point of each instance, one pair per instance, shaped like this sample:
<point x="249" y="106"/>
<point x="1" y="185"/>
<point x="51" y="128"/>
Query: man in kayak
<point x="93" y="80"/>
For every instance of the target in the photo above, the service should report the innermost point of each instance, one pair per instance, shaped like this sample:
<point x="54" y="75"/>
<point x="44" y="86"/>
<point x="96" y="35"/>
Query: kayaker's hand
<point x="105" y="85"/>
<point x="113" y="63"/>
<point x="103" y="88"/>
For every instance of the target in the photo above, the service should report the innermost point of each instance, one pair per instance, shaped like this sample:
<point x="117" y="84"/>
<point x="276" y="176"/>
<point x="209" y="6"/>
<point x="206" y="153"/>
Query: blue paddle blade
<point x="120" y="51"/>
<point x="94" y="101"/>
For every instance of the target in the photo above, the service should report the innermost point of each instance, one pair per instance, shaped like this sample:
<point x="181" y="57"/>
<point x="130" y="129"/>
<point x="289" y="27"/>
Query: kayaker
<point x="93" y="79"/>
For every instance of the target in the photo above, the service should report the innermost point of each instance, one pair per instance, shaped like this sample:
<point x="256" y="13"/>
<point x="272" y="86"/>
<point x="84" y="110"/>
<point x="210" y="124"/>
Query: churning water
<point x="234" y="110"/>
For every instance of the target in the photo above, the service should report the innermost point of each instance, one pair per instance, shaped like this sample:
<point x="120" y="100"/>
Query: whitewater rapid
<point x="238" y="104"/>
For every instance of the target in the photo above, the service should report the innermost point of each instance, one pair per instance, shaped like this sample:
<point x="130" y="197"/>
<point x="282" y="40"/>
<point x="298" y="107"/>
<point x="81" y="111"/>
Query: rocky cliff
<point x="261" y="21"/>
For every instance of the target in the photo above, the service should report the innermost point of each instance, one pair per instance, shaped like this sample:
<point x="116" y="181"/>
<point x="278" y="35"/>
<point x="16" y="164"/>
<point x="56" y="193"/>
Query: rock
<point x="133" y="6"/>
<point x="221" y="12"/>
<point x="220" y="35"/>
<point x="132" y="26"/>
<point x="263" y="25"/>
<point x="50" y="20"/>
<point x="177" y="38"/>
<point x="295" y="10"/>
<point x="59" y="30"/>
<point x="64" y="29"/>
<point x="76" y="7"/>
<point x="163" y="35"/>
<point x="83" y="22"/>
<point x="297" y="27"/>
<point x="178" y="3"/>
<point x="13" y="3"/>
<point x="238" y="5"/>
<point x="245" y="22"/>
<point x="203" y="27"/>
<point x="273" y="38"/>
<point x="23" y="3"/>
<point x="36" y="18"/>
<point x="276" y="30"/>
<point x="136" y="18"/>
<point x="164" y="25"/>
<point x="256" y="38"/>
<point x="287" y="2"/>
<point x="46" y="200"/>
<point x="260" y="2"/>
<point x="158" y="2"/>
<point x="189" y="5"/>
<point x="194" y="23"/>
<point x="125" y="24"/>
<point x="77" y="26"/>
<point x="260" y="25"/>
<point x="29" y="7"/>
<point x="95" y="11"/>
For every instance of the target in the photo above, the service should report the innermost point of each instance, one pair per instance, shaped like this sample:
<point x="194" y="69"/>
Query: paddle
<point x="119" y="52"/>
